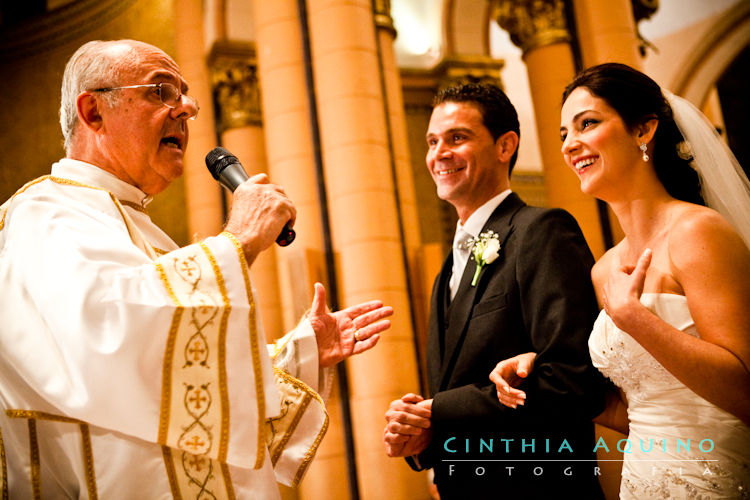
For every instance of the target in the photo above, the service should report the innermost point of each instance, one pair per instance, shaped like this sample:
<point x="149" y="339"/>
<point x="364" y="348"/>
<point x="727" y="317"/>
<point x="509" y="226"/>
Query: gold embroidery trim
<point x="35" y="465"/>
<point x="222" y="355"/>
<point x="187" y="472"/>
<point x="228" y="481"/>
<point x="184" y="283"/>
<point x="88" y="460"/>
<point x="314" y="448"/>
<point x="255" y="352"/>
<point x="122" y="214"/>
<point x="134" y="206"/>
<point x="166" y="383"/>
<point x="87" y="450"/>
<point x="69" y="182"/>
<point x="310" y="453"/>
<point x="171" y="474"/>
<point x="4" y="465"/>
<point x="40" y="415"/>
<point x="24" y="188"/>
<point x="281" y="344"/>
<point x="292" y="427"/>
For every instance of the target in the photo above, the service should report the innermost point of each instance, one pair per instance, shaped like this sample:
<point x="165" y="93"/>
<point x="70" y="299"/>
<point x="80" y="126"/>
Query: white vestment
<point x="131" y="368"/>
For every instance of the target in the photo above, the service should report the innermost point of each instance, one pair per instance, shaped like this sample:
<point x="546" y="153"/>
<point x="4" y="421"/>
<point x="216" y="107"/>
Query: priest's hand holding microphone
<point x="261" y="212"/>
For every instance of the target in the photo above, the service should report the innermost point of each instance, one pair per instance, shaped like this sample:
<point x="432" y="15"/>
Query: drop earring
<point x="643" y="149"/>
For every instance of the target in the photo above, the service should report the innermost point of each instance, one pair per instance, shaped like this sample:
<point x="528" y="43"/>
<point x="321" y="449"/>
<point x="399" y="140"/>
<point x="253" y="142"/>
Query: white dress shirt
<point x="464" y="232"/>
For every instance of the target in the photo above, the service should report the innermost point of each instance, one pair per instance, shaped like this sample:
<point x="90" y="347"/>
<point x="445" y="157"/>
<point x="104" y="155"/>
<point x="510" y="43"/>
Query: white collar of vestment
<point x="91" y="175"/>
<point x="481" y="215"/>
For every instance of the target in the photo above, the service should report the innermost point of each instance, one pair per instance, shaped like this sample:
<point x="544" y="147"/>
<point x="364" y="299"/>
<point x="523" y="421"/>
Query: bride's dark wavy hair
<point x="637" y="99"/>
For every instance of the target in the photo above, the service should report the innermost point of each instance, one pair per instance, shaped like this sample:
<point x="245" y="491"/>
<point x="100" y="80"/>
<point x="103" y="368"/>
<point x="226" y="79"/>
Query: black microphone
<point x="226" y="168"/>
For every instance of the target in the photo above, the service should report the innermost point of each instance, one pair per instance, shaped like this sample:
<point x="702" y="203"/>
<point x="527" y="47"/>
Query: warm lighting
<point x="419" y="39"/>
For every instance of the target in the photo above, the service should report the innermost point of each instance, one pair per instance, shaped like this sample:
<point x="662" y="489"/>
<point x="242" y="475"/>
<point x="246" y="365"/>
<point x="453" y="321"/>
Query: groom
<point x="536" y="295"/>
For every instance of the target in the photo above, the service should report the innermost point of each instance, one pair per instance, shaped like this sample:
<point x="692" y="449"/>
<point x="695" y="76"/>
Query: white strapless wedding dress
<point x="680" y="445"/>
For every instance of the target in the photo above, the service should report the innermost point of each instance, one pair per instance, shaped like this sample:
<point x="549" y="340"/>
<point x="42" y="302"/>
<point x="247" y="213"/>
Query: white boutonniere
<point x="485" y="250"/>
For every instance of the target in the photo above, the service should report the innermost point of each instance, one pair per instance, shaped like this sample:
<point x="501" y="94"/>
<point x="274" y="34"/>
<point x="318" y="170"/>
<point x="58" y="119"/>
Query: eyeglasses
<point x="169" y="95"/>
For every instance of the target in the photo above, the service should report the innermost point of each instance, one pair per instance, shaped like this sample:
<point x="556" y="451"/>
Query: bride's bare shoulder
<point x="693" y="224"/>
<point x="698" y="233"/>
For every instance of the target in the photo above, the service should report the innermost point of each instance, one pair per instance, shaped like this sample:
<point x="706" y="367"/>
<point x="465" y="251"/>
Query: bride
<point x="674" y="331"/>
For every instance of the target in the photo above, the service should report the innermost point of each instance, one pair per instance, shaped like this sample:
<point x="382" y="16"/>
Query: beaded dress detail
<point x="679" y="445"/>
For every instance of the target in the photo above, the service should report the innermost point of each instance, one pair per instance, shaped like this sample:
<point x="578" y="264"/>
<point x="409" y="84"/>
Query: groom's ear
<point x="506" y="145"/>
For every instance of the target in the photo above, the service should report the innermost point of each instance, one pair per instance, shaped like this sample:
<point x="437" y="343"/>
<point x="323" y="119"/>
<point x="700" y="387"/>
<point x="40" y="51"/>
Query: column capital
<point x="644" y="9"/>
<point x="383" y="18"/>
<point x="234" y="84"/>
<point x="532" y="23"/>
<point x="466" y="69"/>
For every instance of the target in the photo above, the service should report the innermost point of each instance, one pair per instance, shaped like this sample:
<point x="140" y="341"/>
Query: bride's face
<point x="597" y="145"/>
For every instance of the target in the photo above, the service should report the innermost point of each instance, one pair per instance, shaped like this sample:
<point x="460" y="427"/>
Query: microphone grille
<point x="217" y="160"/>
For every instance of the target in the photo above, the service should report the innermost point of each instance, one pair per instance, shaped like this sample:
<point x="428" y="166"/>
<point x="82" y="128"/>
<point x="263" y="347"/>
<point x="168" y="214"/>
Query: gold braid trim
<point x="69" y="182"/>
<point x="40" y="415"/>
<point x="255" y="352"/>
<point x="134" y="206"/>
<point x="24" y="188"/>
<point x="228" y="481"/>
<point x="88" y="455"/>
<point x="4" y="465"/>
<point x="88" y="459"/>
<point x="222" y="355"/>
<point x="169" y="352"/>
<point x="309" y="395"/>
<point x="35" y="465"/>
<point x="171" y="473"/>
<point x="310" y="453"/>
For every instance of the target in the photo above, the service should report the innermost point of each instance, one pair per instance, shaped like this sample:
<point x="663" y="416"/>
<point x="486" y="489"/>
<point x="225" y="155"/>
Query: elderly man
<point x="129" y="367"/>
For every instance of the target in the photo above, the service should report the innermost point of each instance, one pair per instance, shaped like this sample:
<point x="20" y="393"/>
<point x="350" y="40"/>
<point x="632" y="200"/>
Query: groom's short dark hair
<point x="498" y="113"/>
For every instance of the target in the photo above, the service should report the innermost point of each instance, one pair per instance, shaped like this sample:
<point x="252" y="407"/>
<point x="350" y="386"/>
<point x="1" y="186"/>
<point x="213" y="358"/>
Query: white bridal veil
<point x="724" y="186"/>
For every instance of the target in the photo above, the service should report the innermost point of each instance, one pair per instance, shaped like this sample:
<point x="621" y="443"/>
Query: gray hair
<point x="94" y="65"/>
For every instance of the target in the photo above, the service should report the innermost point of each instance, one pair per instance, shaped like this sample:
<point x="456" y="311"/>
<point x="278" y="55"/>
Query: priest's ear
<point x="89" y="112"/>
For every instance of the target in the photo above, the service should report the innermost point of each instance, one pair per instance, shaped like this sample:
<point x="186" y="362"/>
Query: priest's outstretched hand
<point x="349" y="331"/>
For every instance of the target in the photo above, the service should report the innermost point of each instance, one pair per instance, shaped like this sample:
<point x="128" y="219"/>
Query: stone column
<point x="236" y="91"/>
<point x="290" y="154"/>
<point x="539" y="28"/>
<point x="202" y="193"/>
<point x="401" y="164"/>
<point x="364" y="216"/>
<point x="609" y="32"/>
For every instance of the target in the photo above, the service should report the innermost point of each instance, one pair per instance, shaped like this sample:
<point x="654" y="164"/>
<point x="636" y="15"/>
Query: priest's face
<point x="142" y="140"/>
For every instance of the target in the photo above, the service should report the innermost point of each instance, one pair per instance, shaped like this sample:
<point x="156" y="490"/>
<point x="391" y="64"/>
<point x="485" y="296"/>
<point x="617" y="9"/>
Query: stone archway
<point x="727" y="38"/>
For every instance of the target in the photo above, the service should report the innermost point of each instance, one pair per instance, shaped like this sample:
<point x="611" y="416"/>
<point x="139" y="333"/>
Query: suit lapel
<point x="467" y="296"/>
<point x="438" y="322"/>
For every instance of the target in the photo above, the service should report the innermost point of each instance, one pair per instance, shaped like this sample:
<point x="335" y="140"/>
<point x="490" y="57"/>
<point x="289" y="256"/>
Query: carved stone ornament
<point x="644" y="9"/>
<point x="532" y="23"/>
<point x="458" y="70"/>
<point x="235" y="86"/>
<point x="383" y="18"/>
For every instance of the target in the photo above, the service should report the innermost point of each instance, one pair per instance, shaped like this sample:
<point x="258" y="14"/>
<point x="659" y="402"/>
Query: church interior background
<point x="332" y="98"/>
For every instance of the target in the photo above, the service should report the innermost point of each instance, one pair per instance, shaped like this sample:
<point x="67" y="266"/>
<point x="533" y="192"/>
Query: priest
<point x="130" y="367"/>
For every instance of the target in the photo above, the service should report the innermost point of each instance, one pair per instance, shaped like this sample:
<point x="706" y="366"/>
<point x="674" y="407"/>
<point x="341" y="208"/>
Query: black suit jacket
<point x="537" y="296"/>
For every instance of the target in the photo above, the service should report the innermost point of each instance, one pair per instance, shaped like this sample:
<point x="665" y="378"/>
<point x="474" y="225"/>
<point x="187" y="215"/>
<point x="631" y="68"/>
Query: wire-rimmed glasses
<point x="169" y="94"/>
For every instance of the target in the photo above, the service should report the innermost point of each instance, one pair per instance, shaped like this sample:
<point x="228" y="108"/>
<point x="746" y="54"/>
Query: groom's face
<point x="462" y="157"/>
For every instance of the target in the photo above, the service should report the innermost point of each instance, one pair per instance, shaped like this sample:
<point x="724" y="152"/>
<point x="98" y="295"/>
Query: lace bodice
<point x="622" y="359"/>
<point x="681" y="446"/>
